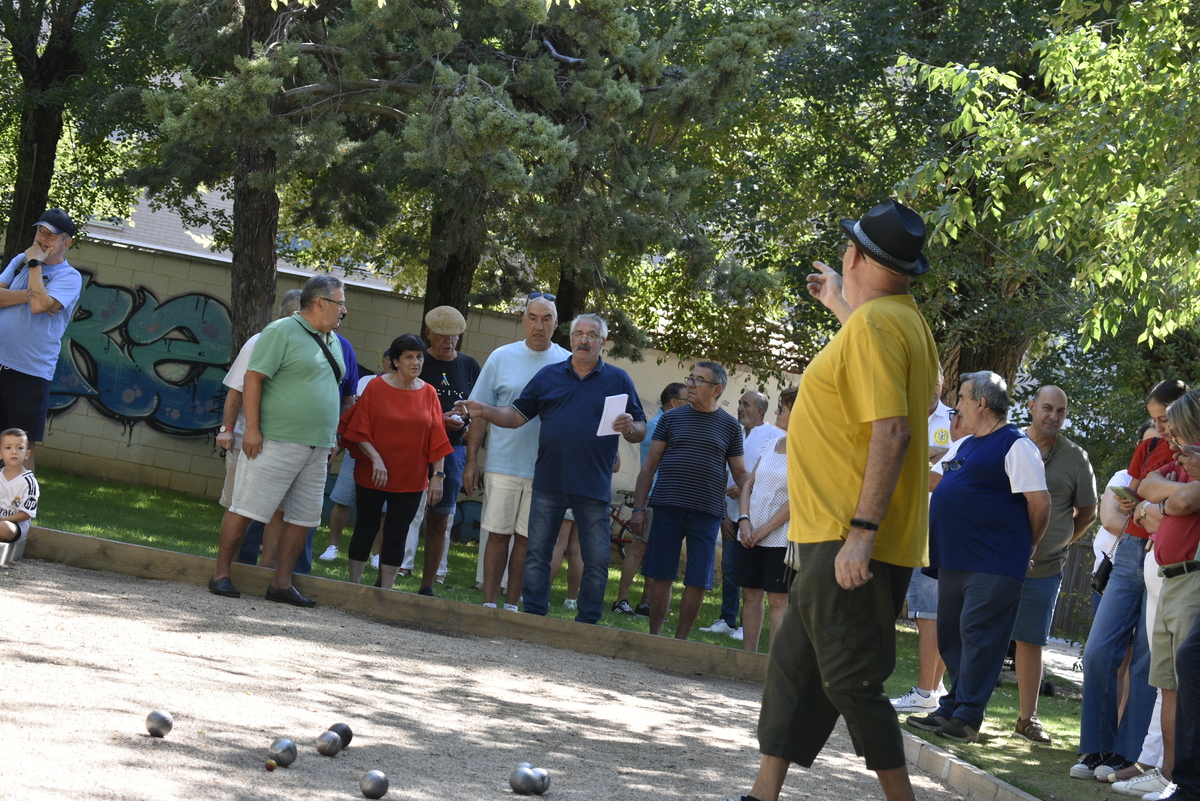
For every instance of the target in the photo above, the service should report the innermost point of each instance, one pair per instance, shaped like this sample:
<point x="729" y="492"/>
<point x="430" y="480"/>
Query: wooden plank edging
<point x="94" y="553"/>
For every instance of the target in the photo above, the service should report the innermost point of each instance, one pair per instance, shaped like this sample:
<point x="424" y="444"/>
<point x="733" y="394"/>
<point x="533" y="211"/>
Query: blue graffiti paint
<point x="136" y="359"/>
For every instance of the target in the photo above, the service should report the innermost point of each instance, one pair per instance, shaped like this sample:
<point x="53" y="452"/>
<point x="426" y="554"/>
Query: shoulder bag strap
<point x="333" y="365"/>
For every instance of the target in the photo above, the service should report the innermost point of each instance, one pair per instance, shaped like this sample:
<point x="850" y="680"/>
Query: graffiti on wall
<point x="137" y="359"/>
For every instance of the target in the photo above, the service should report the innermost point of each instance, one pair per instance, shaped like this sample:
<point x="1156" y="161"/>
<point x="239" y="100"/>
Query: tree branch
<point x="344" y="87"/>
<point x="573" y="63"/>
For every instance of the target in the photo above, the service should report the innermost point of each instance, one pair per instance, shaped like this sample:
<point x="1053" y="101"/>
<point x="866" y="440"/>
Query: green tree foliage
<point x="1091" y="163"/>
<point x="62" y="145"/>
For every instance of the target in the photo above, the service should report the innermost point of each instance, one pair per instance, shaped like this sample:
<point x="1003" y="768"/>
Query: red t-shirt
<point x="405" y="426"/>
<point x="1160" y="455"/>
<point x="1178" y="535"/>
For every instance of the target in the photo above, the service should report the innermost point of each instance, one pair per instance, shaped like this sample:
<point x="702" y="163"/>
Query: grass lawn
<point x="175" y="521"/>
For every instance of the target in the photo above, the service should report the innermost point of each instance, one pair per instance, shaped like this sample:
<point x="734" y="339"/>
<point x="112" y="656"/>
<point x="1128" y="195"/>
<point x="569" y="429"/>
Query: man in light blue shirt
<point x="511" y="452"/>
<point x="38" y="293"/>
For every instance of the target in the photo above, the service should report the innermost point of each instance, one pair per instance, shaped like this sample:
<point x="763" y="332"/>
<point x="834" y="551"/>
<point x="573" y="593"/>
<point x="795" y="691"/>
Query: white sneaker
<point x="489" y="606"/>
<point x="1151" y="781"/>
<point x="511" y="608"/>
<point x="736" y="634"/>
<point x="913" y="701"/>
<point x="330" y="554"/>
<point x="720" y="627"/>
<point x="570" y="603"/>
<point x="1159" y="795"/>
<point x="375" y="561"/>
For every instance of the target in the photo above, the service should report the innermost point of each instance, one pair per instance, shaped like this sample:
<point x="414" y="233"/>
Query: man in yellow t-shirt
<point x="858" y="491"/>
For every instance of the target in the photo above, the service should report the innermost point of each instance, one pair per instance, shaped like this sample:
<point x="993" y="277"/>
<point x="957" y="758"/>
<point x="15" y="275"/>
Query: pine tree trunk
<point x="255" y="207"/>
<point x="456" y="235"/>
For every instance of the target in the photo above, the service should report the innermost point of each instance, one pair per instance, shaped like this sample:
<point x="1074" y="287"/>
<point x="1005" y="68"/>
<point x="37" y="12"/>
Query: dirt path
<point x="85" y="655"/>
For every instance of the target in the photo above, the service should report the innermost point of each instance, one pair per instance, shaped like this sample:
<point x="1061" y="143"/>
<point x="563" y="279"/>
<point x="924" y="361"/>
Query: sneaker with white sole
<point x="330" y="554"/>
<point x="375" y="561"/>
<point x="1152" y="781"/>
<point x="913" y="701"/>
<point x="1085" y="768"/>
<point x="511" y="608"/>
<point x="736" y="634"/>
<point x="1108" y="767"/>
<point x="1161" y="795"/>
<point x="622" y="608"/>
<point x="719" y="626"/>
<point x="570" y="603"/>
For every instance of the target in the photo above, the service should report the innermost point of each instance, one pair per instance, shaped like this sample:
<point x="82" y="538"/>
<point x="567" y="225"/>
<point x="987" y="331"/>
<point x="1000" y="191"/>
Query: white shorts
<point x="284" y="476"/>
<point x="506" y="504"/>
<point x="231" y="463"/>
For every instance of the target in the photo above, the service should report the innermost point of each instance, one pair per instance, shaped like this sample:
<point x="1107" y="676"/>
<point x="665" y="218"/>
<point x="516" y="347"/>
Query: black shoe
<point x="289" y="596"/>
<point x="224" y="587"/>
<point x="1085" y="768"/>
<point x="930" y="722"/>
<point x="957" y="729"/>
<point x="642" y="610"/>
<point x="622" y="608"/>
<point x="426" y="591"/>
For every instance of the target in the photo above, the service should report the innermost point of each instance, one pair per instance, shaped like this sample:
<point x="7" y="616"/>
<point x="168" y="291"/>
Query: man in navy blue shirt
<point x="574" y="463"/>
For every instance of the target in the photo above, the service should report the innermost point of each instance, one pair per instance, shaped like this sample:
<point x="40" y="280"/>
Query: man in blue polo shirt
<point x="574" y="464"/>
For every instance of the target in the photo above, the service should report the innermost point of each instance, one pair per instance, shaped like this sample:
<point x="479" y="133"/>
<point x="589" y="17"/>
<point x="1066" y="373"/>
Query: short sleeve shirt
<point x="699" y="445"/>
<point x="453" y="381"/>
<point x="301" y="398"/>
<point x="30" y="343"/>
<point x="881" y="364"/>
<point x="1150" y="455"/>
<point x="1071" y="483"/>
<point x="572" y="459"/>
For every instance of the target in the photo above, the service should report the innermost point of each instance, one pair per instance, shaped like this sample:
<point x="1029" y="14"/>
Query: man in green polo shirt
<point x="292" y="401"/>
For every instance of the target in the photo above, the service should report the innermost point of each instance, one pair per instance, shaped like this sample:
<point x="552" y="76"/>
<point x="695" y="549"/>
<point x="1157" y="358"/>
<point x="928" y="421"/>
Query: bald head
<point x="1047" y="413"/>
<point x="752" y="409"/>
<point x="539" y="320"/>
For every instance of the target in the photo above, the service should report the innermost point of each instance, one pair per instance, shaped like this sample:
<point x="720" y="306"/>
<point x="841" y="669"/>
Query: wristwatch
<point x="743" y="517"/>
<point x="222" y="429"/>
<point x="33" y="262"/>
<point x="439" y="474"/>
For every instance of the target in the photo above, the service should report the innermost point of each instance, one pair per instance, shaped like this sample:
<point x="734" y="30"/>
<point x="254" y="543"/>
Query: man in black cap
<point x="857" y="488"/>
<point x="38" y="293"/>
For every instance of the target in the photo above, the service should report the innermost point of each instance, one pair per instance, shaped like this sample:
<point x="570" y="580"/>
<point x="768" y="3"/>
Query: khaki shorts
<point x="1178" y="605"/>
<point x="285" y="475"/>
<point x="506" y="504"/>
<point x="231" y="463"/>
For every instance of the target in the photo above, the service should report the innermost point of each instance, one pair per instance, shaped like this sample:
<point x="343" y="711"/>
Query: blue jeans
<point x="976" y="612"/>
<point x="546" y="510"/>
<point x="252" y="542"/>
<point x="1187" y="713"/>
<point x="731" y="593"/>
<point x="1120" y="621"/>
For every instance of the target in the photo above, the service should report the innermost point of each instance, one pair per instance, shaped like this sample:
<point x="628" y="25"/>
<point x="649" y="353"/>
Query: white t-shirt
<point x="1023" y="464"/>
<point x="236" y="379"/>
<point x="752" y="446"/>
<point x="939" y="427"/>
<point x="19" y="495"/>
<point x="1104" y="540"/>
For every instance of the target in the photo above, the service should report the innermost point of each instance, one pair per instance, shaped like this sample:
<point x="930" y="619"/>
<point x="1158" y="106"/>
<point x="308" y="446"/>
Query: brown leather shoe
<point x="1032" y="730"/>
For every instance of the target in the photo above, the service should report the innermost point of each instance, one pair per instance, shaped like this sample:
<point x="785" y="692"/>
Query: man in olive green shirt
<point x="292" y="401"/>
<point x="1072" y="487"/>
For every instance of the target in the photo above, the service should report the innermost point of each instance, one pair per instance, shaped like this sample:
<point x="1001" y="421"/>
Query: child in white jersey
<point x="18" y="487"/>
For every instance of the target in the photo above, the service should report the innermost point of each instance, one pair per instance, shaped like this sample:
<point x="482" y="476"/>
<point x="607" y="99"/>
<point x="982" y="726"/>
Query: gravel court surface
<point x="87" y="655"/>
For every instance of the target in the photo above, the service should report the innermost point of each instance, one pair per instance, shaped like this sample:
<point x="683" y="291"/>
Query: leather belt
<point x="1179" y="568"/>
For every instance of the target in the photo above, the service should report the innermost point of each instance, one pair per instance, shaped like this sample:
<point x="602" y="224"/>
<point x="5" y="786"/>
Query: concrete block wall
<point x="82" y="440"/>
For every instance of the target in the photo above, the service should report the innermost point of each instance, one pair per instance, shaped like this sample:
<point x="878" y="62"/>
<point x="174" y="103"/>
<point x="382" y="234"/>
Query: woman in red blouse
<point x="394" y="432"/>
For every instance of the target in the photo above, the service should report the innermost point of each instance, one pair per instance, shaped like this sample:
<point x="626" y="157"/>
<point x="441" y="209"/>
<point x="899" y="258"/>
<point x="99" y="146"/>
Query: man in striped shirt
<point x="691" y="448"/>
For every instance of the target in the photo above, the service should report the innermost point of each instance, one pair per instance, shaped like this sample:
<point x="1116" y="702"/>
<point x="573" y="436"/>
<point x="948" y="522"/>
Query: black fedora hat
<point x="892" y="235"/>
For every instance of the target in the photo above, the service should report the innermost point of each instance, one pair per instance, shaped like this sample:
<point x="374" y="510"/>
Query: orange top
<point x="405" y="426"/>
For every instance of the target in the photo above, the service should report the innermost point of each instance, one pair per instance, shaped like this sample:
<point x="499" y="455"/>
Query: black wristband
<point x="743" y="517"/>
<point x="865" y="525"/>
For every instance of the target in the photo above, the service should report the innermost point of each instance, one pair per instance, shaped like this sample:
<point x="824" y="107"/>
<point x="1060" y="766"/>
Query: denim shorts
<point x="672" y="525"/>
<point x="922" y="596"/>
<point x="343" y="492"/>
<point x="452" y="466"/>
<point x="1038" y="597"/>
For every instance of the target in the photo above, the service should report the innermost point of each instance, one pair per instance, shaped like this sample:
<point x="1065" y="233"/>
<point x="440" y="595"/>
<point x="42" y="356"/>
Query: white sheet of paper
<point x="613" y="405"/>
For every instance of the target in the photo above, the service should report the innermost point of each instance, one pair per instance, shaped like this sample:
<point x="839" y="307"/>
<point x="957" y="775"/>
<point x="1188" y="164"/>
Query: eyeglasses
<point x="952" y="465"/>
<point x="953" y="413"/>
<point x="692" y="381"/>
<point x="340" y="303"/>
<point x="590" y="338"/>
<point x="782" y="409"/>
<point x="542" y="295"/>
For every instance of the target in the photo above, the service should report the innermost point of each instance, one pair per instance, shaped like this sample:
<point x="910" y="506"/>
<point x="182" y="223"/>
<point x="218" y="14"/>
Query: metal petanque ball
<point x="344" y="732"/>
<point x="283" y="751"/>
<point x="159" y="723"/>
<point x="523" y="781"/>
<point x="329" y="743"/>
<point x="543" y="778"/>
<point x="374" y="784"/>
